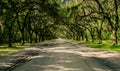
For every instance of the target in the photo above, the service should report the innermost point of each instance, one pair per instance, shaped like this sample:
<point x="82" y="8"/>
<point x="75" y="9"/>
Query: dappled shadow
<point x="53" y="44"/>
<point x="8" y="62"/>
<point x="63" y="61"/>
<point x="71" y="57"/>
<point x="65" y="56"/>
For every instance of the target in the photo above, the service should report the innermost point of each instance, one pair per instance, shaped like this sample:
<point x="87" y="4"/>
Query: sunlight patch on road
<point x="58" y="68"/>
<point x="81" y="51"/>
<point x="57" y="48"/>
<point x="33" y="57"/>
<point x="64" y="61"/>
<point x="32" y="48"/>
<point x="6" y="64"/>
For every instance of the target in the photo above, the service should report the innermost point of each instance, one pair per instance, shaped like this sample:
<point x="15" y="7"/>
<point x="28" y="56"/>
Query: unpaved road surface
<point x="61" y="55"/>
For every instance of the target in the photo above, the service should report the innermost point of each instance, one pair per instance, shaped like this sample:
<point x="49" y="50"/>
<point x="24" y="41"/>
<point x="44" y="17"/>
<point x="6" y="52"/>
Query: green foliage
<point x="105" y="47"/>
<point x="4" y="49"/>
<point x="33" y="20"/>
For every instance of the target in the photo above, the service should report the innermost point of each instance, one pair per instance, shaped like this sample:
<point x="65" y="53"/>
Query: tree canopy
<point x="38" y="20"/>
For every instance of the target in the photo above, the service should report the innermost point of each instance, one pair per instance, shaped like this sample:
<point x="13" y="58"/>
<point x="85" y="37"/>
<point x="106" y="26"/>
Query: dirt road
<point x="65" y="56"/>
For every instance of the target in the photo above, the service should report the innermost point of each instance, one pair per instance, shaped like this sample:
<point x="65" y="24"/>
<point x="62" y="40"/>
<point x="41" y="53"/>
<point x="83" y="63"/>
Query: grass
<point x="7" y="50"/>
<point x="4" y="49"/>
<point x="3" y="52"/>
<point x="107" y="45"/>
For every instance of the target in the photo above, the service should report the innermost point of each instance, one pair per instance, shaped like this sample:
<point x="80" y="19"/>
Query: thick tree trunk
<point x="10" y="38"/>
<point x="86" y="37"/>
<point x="115" y="41"/>
<point x="92" y="36"/>
<point x="39" y="39"/>
<point x="82" y="35"/>
<point x="82" y="38"/>
<point x="42" y="38"/>
<point x="23" y="37"/>
<point x="36" y="34"/>
<point x="114" y="30"/>
<point x="100" y="36"/>
<point x="30" y="37"/>
<point x="77" y="37"/>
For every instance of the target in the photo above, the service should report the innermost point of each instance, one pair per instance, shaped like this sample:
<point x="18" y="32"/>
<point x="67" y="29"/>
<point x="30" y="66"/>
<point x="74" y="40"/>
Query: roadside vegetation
<point x="105" y="46"/>
<point x="4" y="49"/>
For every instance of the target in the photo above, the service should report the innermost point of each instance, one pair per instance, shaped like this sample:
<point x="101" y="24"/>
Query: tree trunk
<point x="23" y="37"/>
<point x="86" y="37"/>
<point x="42" y="38"/>
<point x="30" y="37"/>
<point x="39" y="39"/>
<point x="114" y="30"/>
<point x="36" y="34"/>
<point x="77" y="37"/>
<point x="92" y="36"/>
<point x="115" y="41"/>
<point x="10" y="38"/>
<point x="100" y="36"/>
<point x="82" y="36"/>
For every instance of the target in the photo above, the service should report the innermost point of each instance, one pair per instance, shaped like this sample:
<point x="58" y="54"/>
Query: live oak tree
<point x="28" y="20"/>
<point x="109" y="10"/>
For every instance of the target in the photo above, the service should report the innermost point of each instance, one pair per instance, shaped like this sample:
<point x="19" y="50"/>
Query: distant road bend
<point x="61" y="55"/>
